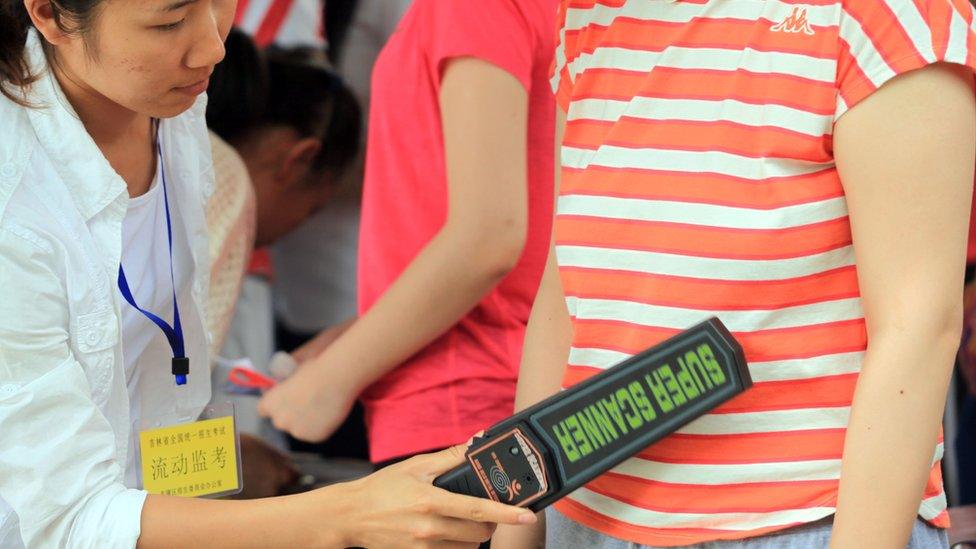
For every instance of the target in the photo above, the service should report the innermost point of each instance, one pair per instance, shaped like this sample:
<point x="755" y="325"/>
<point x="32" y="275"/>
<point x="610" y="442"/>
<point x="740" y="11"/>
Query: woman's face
<point x="152" y="57"/>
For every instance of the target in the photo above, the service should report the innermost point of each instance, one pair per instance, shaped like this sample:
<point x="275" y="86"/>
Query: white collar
<point x="90" y="179"/>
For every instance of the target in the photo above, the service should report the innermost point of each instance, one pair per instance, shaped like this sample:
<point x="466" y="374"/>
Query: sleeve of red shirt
<point x="492" y="30"/>
<point x="881" y="40"/>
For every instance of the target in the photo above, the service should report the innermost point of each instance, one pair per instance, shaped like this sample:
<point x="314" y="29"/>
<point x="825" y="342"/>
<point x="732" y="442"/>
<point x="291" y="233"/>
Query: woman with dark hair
<point x="104" y="164"/>
<point x="294" y="123"/>
<point x="299" y="130"/>
<point x="304" y="142"/>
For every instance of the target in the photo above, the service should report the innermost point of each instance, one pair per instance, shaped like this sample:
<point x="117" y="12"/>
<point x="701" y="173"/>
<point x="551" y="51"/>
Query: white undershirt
<point x="146" y="260"/>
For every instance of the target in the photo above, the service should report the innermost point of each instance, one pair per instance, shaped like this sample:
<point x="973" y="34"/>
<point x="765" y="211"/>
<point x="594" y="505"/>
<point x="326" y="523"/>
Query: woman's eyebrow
<point x="176" y="5"/>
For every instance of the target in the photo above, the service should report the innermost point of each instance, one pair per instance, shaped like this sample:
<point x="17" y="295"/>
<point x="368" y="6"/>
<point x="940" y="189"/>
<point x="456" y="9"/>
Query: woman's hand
<point x="314" y="400"/>
<point x="398" y="507"/>
<point x="312" y="403"/>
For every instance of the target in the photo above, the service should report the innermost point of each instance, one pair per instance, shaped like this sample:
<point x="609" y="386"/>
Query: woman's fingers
<point x="434" y="464"/>
<point x="455" y="545"/>
<point x="430" y="466"/>
<point x="453" y="505"/>
<point x="452" y="530"/>
<point x="480" y="510"/>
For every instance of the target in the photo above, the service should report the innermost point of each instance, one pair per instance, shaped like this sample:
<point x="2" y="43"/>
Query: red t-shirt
<point x="465" y="380"/>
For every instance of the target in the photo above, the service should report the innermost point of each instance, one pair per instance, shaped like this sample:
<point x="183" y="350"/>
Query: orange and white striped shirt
<point x="699" y="179"/>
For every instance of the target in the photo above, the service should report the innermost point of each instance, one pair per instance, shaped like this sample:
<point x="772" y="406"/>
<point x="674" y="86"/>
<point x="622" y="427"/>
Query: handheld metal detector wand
<point x="545" y="452"/>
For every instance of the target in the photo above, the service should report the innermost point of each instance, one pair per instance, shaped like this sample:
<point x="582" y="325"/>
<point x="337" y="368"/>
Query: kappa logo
<point x="515" y="490"/>
<point x="795" y="22"/>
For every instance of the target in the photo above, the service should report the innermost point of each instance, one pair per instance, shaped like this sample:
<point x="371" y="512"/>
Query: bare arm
<point x="484" y="235"/>
<point x="397" y="507"/>
<point x="905" y="157"/>
<point x="549" y="333"/>
<point x="485" y="117"/>
<point x="544" y="354"/>
<point x="169" y="521"/>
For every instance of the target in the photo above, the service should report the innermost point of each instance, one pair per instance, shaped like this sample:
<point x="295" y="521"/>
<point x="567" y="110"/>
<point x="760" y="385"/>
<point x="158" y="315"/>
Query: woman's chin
<point x="175" y="105"/>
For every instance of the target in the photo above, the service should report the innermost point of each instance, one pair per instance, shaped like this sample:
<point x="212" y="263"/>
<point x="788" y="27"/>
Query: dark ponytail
<point x="71" y="16"/>
<point x="308" y="97"/>
<point x="14" y="72"/>
<point x="238" y="93"/>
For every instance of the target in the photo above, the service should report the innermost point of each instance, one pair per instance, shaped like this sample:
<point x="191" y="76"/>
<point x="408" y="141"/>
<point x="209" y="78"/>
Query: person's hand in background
<point x="284" y="364"/>
<point x="313" y="402"/>
<point x="308" y="403"/>
<point x="267" y="472"/>
<point x="316" y="399"/>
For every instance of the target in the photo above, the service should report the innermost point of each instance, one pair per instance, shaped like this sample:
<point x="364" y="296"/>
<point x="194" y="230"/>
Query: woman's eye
<point x="170" y="26"/>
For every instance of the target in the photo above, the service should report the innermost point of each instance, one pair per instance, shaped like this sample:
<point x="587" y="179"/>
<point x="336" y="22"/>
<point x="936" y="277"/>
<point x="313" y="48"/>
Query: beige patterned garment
<point x="231" y="223"/>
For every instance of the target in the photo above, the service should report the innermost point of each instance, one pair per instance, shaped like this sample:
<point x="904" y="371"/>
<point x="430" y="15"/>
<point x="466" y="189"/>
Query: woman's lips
<point x="194" y="89"/>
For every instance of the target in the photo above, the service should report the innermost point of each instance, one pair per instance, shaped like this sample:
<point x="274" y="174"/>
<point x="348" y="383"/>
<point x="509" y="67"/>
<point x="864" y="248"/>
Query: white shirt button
<point x="8" y="171"/>
<point x="8" y="388"/>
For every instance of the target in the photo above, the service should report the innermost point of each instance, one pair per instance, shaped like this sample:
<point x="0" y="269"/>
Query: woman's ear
<point x="298" y="161"/>
<point x="42" y="15"/>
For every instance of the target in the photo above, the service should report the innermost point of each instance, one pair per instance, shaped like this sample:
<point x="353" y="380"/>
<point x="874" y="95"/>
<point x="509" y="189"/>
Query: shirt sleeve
<point x="882" y="39"/>
<point x="58" y="470"/>
<point x="495" y="31"/>
<point x="560" y="78"/>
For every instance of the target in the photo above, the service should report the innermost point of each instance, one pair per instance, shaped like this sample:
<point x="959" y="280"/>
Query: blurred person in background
<point x="456" y="217"/>
<point x="298" y="127"/>
<point x="315" y="266"/>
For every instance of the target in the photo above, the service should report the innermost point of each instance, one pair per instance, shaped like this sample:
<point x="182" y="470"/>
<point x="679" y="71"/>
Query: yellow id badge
<point x="193" y="459"/>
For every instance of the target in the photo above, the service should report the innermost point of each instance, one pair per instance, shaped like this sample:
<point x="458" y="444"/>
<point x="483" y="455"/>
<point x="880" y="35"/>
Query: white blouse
<point x="67" y="429"/>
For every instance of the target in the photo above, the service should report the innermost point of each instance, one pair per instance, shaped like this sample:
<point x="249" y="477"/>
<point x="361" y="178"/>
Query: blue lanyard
<point x="174" y="334"/>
